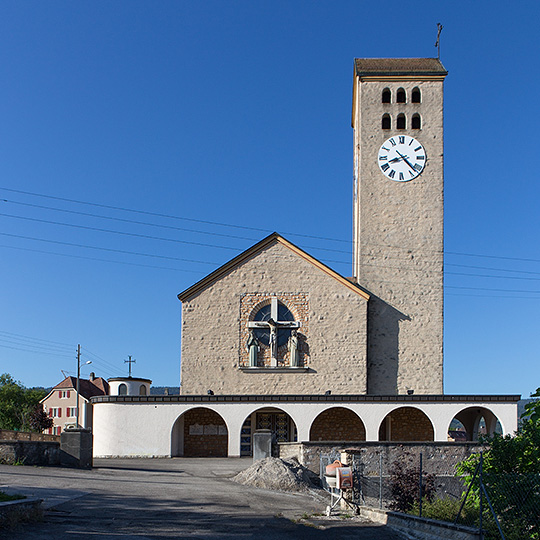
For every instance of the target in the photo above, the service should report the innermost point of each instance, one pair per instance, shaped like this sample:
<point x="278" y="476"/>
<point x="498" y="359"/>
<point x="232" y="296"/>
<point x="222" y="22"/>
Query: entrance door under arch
<point x="277" y="421"/>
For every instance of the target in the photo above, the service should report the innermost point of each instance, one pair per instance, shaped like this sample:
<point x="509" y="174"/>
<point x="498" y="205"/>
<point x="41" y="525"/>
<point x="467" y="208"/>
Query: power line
<point x="123" y="252"/>
<point x="400" y="269"/>
<point x="132" y="221"/>
<point x="490" y="268"/>
<point x="102" y="260"/>
<point x="33" y="351"/>
<point x="242" y="227"/>
<point x="168" y="216"/>
<point x="71" y="346"/>
<point x="137" y="235"/>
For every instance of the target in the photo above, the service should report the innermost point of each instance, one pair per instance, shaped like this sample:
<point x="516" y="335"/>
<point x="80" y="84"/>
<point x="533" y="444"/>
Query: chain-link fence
<point x="501" y="506"/>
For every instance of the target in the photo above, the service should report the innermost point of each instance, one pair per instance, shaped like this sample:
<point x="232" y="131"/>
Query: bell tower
<point x="397" y="119"/>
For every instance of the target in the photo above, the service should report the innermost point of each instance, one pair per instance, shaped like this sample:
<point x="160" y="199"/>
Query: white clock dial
<point x="401" y="158"/>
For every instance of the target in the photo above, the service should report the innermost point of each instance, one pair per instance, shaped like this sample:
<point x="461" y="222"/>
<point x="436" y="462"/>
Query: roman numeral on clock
<point x="401" y="139"/>
<point x="392" y="173"/>
<point x="385" y="167"/>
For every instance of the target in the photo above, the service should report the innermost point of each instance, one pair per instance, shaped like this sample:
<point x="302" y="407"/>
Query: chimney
<point x="92" y="375"/>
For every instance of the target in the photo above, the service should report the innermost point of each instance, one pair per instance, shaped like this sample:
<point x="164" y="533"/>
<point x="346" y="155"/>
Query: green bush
<point x="447" y="510"/>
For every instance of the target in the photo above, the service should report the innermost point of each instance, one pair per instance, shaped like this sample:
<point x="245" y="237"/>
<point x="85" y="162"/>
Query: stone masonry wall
<point x="407" y="424"/>
<point x="333" y="322"/>
<point x="337" y="424"/>
<point x="439" y="458"/>
<point x="205" y="434"/>
<point x="399" y="242"/>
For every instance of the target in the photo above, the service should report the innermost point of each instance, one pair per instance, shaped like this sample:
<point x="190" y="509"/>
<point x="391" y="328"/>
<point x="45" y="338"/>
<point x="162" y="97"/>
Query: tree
<point x="532" y="409"/>
<point x="39" y="421"/>
<point x="17" y="404"/>
<point x="511" y="476"/>
<point x="405" y="484"/>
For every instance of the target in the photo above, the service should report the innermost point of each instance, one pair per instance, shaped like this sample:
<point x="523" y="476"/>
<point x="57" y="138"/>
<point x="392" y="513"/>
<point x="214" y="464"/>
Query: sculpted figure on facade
<point x="253" y="348"/>
<point x="294" y="353"/>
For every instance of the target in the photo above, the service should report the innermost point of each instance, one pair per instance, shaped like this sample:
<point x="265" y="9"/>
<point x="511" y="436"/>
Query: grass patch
<point x="4" y="497"/>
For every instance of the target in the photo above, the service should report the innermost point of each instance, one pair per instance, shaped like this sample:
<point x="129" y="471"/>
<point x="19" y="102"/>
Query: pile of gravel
<point x="278" y="475"/>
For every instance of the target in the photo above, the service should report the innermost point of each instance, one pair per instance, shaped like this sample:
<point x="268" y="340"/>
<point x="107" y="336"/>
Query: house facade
<point x="61" y="402"/>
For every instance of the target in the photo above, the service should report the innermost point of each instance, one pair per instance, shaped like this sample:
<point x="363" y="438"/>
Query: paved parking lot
<point x="139" y="499"/>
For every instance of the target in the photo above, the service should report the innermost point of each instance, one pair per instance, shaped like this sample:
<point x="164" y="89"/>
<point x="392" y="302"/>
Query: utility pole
<point x="78" y="375"/>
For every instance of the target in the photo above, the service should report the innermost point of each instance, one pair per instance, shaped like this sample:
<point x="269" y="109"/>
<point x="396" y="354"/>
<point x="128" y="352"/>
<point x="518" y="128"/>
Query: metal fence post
<point x="481" y="480"/>
<point x="420" y="489"/>
<point x="380" y="481"/>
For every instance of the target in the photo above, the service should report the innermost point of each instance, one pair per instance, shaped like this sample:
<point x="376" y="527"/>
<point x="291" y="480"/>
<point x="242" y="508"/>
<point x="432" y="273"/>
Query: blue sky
<point x="143" y="144"/>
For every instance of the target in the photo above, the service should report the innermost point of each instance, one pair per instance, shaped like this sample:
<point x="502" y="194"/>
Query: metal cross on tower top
<point x="274" y="325"/>
<point x="130" y="361"/>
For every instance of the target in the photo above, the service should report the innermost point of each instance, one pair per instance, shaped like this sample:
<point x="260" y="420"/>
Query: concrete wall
<point x="333" y="319"/>
<point x="146" y="427"/>
<point x="398" y="233"/>
<point x="416" y="528"/>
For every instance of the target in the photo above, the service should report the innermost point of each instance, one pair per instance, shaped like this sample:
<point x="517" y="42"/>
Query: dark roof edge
<point x="396" y="67"/>
<point x="129" y="379"/>
<point x="259" y="246"/>
<point x="438" y="398"/>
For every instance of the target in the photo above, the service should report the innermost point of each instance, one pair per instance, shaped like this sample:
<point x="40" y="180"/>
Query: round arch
<point x="280" y="423"/>
<point x="337" y="424"/>
<point x="199" y="432"/>
<point x="407" y="424"/>
<point x="471" y="423"/>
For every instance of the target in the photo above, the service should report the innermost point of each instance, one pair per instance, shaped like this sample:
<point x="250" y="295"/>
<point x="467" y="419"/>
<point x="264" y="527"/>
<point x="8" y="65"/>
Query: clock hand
<point x="404" y="158"/>
<point x="395" y="160"/>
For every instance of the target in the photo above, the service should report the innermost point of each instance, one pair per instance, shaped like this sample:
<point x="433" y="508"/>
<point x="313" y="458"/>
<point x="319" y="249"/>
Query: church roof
<point x="253" y="250"/>
<point x="399" y="67"/>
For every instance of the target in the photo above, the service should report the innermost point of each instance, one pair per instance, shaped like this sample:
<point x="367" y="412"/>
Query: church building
<point x="312" y="355"/>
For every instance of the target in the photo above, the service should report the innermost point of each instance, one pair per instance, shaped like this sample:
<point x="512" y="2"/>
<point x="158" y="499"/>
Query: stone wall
<point x="205" y="434"/>
<point x="398" y="234"/>
<point x="406" y="424"/>
<point x="334" y="327"/>
<point x="438" y="457"/>
<point x="30" y="452"/>
<point x="9" y="435"/>
<point x="337" y="424"/>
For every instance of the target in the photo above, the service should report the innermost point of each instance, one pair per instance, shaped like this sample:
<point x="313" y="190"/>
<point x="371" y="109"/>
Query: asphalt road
<point x="140" y="499"/>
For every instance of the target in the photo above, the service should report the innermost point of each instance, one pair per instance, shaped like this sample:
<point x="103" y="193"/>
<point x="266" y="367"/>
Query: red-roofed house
<point x="61" y="402"/>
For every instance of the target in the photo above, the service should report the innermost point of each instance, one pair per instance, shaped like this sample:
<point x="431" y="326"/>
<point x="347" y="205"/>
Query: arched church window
<point x="416" y="122"/>
<point x="415" y="95"/>
<point x="386" y="122"/>
<point x="264" y="314"/>
<point x="142" y="390"/>
<point x="401" y="96"/>
<point x="386" y="95"/>
<point x="122" y="390"/>
<point x="400" y="123"/>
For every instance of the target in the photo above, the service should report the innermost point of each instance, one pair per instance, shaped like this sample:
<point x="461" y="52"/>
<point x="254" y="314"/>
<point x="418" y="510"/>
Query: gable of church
<point x="317" y="344"/>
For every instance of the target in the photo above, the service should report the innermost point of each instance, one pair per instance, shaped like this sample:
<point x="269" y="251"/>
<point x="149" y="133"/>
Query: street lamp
<point x="78" y="376"/>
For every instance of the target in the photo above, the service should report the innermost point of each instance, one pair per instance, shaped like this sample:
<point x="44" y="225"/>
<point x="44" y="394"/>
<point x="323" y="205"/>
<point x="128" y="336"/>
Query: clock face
<point x="401" y="158"/>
